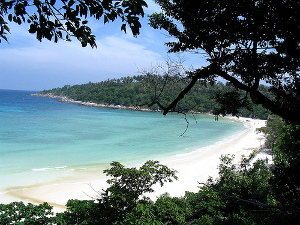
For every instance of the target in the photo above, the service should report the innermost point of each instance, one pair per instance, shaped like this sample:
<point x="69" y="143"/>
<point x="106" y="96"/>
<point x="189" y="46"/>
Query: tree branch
<point x="180" y="96"/>
<point x="255" y="95"/>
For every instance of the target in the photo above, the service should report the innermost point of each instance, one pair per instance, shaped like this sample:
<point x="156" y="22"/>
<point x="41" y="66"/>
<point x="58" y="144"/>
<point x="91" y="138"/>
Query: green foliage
<point x="230" y="103"/>
<point x="238" y="196"/>
<point x="286" y="180"/>
<point x="78" y="212"/>
<point x="125" y="193"/>
<point x="19" y="213"/>
<point x="287" y="148"/>
<point x="273" y="130"/>
<point x="147" y="90"/>
<point x="166" y="210"/>
<point x="171" y="210"/>
<point x="134" y="182"/>
<point x="232" y="198"/>
<point x="206" y="202"/>
<point x="143" y="213"/>
<point x="127" y="186"/>
<point x="248" y="182"/>
<point x="63" y="19"/>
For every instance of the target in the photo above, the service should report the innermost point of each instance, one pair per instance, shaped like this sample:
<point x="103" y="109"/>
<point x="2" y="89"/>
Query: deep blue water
<point x="41" y="137"/>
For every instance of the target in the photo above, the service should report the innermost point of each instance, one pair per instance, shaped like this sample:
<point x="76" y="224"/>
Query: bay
<point x="42" y="139"/>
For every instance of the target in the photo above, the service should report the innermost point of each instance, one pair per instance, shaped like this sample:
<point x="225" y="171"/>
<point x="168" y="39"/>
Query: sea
<point x="42" y="139"/>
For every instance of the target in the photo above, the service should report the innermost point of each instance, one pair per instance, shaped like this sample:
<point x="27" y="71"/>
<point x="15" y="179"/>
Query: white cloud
<point x="69" y="63"/>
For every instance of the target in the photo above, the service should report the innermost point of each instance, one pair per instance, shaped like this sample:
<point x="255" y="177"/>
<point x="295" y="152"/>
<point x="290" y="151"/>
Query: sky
<point x="27" y="64"/>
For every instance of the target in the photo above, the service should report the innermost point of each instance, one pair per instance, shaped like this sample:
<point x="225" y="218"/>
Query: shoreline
<point x="110" y="106"/>
<point x="192" y="168"/>
<point x="92" y="104"/>
<point x="199" y="165"/>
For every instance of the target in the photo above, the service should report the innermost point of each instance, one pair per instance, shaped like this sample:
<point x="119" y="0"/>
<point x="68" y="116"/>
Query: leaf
<point x="105" y="18"/>
<point x="9" y="17"/>
<point x="19" y="21"/>
<point x="52" y="2"/>
<point x="123" y="27"/>
<point x="71" y="2"/>
<point x="59" y="34"/>
<point x="68" y="38"/>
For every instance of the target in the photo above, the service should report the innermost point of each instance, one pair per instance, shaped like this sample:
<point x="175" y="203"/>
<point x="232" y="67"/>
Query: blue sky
<point x="27" y="64"/>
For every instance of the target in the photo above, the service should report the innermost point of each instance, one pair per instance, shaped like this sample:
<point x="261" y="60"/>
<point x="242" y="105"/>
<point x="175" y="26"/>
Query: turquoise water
<point x="41" y="139"/>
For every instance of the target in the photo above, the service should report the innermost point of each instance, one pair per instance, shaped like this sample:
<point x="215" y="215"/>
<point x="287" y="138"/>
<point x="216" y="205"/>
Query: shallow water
<point x="42" y="139"/>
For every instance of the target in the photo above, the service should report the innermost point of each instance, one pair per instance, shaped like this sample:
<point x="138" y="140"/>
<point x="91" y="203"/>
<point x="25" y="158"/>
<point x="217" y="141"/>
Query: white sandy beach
<point x="192" y="168"/>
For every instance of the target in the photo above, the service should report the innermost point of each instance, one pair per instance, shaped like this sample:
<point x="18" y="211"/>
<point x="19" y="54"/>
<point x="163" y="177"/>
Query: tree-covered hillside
<point x="144" y="90"/>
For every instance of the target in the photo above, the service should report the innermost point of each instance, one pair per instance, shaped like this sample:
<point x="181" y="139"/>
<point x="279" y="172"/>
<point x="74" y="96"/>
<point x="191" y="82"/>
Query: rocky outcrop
<point x="91" y="104"/>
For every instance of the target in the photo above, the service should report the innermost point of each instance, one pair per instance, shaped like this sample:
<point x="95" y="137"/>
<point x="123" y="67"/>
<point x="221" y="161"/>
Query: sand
<point x="192" y="168"/>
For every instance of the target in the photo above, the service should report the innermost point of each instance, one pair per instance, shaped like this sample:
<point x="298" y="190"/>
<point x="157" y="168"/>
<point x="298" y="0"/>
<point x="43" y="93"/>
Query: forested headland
<point x="144" y="90"/>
